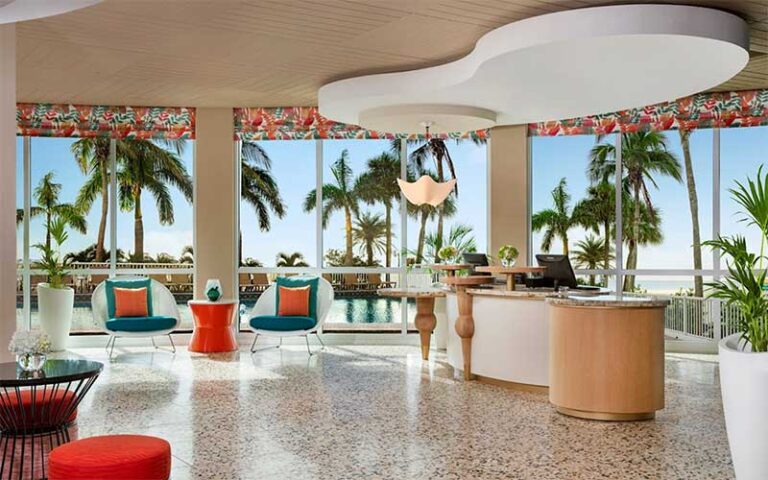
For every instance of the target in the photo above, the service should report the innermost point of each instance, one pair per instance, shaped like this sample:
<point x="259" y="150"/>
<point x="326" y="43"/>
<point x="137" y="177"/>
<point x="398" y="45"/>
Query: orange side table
<point x="213" y="326"/>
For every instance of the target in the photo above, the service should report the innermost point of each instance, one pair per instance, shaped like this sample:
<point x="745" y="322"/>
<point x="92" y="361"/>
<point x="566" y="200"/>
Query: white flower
<point x="34" y="342"/>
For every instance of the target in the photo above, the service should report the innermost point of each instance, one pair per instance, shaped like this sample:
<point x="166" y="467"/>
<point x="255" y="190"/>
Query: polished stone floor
<point x="379" y="412"/>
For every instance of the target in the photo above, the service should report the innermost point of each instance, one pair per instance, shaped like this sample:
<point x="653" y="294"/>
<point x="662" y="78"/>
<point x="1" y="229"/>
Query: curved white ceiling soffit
<point x="561" y="65"/>
<point x="12" y="11"/>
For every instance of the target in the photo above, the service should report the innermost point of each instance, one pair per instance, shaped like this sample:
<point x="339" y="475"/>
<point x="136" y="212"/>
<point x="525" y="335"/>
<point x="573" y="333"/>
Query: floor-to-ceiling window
<point x="362" y="238"/>
<point x="674" y="197"/>
<point x="137" y="221"/>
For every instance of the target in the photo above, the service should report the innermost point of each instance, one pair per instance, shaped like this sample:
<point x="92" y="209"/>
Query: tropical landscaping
<point x="646" y="159"/>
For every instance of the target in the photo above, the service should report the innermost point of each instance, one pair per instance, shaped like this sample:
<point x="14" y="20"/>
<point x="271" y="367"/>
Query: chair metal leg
<point x="320" y="339"/>
<point x="114" y="340"/>
<point x="173" y="346"/>
<point x="153" y="342"/>
<point x="109" y="342"/>
<point x="281" y="342"/>
<point x="306" y="339"/>
<point x="253" y="345"/>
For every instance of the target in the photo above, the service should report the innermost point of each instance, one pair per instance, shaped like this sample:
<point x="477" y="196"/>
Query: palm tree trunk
<point x="48" y="219"/>
<point x="629" y="280"/>
<point x="388" y="221"/>
<point x="349" y="258"/>
<point x="440" y="214"/>
<point x="138" y="227"/>
<point x="693" y="202"/>
<point x="388" y="253"/>
<point x="565" y="245"/>
<point x="422" y="232"/>
<point x="369" y="253"/>
<point x="100" y="253"/>
<point x="606" y="251"/>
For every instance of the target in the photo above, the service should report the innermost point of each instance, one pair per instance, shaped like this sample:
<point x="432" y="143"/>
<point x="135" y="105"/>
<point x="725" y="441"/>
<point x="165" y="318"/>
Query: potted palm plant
<point x="55" y="299"/>
<point x="744" y="355"/>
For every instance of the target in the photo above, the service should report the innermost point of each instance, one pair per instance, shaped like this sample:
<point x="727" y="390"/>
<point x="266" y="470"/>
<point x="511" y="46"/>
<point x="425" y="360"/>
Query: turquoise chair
<point x="263" y="319"/>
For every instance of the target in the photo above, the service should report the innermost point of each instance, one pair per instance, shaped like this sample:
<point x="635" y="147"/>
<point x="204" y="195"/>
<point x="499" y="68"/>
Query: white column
<point x="7" y="188"/>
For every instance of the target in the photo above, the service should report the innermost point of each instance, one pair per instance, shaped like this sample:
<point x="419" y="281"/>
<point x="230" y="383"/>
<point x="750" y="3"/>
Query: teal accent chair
<point x="164" y="314"/>
<point x="264" y="321"/>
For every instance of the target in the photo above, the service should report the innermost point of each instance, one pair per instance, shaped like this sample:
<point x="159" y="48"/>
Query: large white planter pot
<point x="55" y="306"/>
<point x="744" y="387"/>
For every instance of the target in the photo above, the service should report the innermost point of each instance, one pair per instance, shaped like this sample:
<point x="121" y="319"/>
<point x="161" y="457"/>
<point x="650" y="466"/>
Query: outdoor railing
<point x="703" y="319"/>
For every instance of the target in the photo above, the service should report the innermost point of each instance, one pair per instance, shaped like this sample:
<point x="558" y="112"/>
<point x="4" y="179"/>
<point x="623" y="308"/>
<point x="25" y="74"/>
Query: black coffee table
<point x="52" y="396"/>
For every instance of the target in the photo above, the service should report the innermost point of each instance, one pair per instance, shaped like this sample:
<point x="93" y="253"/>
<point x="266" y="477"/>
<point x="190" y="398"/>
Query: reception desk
<point x="510" y="344"/>
<point x="606" y="357"/>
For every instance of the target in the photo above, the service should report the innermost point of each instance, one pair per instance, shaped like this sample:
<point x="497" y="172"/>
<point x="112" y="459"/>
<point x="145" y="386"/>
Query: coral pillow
<point x="131" y="302"/>
<point x="294" y="302"/>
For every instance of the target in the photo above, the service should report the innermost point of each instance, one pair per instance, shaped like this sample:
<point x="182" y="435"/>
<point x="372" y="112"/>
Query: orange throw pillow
<point x="131" y="302"/>
<point x="294" y="302"/>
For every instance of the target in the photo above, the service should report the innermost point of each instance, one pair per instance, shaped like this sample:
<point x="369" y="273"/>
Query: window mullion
<point x="27" y="194"/>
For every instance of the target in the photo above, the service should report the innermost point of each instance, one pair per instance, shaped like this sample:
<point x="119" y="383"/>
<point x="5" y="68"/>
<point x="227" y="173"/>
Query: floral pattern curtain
<point x="748" y="108"/>
<point x="52" y="120"/>
<point x="306" y="123"/>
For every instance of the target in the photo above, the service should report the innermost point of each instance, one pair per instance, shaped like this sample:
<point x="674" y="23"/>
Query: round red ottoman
<point x="49" y="406"/>
<point x="137" y="457"/>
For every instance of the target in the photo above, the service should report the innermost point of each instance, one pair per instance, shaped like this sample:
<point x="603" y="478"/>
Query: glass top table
<point x="53" y="371"/>
<point x="37" y="410"/>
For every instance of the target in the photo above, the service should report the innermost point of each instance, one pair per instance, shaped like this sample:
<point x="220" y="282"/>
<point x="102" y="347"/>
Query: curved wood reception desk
<point x="509" y="345"/>
<point x="606" y="357"/>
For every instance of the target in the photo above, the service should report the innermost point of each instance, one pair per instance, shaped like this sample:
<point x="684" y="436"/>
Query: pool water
<point x="350" y="310"/>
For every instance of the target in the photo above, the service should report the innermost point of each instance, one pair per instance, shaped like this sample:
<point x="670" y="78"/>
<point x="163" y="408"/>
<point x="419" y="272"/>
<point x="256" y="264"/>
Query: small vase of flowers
<point x="31" y="348"/>
<point x="449" y="253"/>
<point x="508" y="255"/>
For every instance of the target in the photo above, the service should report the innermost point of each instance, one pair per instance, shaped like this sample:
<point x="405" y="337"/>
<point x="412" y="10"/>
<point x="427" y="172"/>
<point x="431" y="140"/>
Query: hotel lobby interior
<point x="412" y="239"/>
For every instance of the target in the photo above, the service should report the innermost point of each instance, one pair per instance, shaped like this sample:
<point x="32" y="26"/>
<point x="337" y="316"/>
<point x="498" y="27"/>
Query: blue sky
<point x="293" y="166"/>
<point x="742" y="151"/>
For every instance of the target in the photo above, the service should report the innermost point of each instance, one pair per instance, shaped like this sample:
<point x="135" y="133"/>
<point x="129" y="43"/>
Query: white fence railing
<point x="702" y="319"/>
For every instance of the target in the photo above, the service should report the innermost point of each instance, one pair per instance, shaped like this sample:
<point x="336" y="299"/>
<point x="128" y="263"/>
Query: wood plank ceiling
<point x="275" y="52"/>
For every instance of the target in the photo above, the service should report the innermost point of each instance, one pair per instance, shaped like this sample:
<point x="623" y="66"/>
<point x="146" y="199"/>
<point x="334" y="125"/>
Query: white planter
<point x="744" y="387"/>
<point x="55" y="306"/>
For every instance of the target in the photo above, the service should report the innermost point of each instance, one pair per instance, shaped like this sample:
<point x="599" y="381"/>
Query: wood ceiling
<point x="278" y="52"/>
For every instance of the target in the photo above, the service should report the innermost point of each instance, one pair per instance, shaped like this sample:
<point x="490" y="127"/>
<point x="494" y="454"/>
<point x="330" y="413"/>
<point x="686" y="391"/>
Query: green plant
<point x="508" y="252"/>
<point x="743" y="287"/>
<point x="448" y="253"/>
<point x="52" y="262"/>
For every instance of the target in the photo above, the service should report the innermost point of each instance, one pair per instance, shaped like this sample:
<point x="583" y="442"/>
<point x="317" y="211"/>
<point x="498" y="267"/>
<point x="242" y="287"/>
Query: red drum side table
<point x="213" y="326"/>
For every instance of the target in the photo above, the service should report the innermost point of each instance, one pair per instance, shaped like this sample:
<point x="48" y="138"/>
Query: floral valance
<point x="306" y="123"/>
<point x="748" y="108"/>
<point x="52" y="120"/>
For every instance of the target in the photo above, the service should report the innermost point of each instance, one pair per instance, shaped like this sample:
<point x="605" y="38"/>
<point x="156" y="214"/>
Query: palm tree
<point x="257" y="185"/>
<point x="46" y="195"/>
<point x="88" y="255"/>
<point x="648" y="233"/>
<point x="295" y="259"/>
<point x="379" y="184"/>
<point x="643" y="155"/>
<point x="590" y="254"/>
<point x="599" y="210"/>
<point x="424" y="213"/>
<point x="459" y="236"/>
<point x="151" y="168"/>
<point x="556" y="221"/>
<point x="187" y="254"/>
<point x="163" y="257"/>
<point x="251" y="262"/>
<point x="92" y="156"/>
<point x="693" y="204"/>
<point x="369" y="234"/>
<point x="339" y="196"/>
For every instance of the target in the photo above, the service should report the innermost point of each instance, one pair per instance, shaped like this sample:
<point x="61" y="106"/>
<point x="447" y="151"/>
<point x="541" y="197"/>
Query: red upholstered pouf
<point x="49" y="407"/>
<point x="109" y="457"/>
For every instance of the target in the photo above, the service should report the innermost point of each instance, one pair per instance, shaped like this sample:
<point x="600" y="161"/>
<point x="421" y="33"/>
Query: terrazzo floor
<point x="379" y="412"/>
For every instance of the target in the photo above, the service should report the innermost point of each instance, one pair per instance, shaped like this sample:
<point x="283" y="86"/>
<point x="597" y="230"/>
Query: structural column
<point x="508" y="185"/>
<point x="7" y="187"/>
<point x="215" y="203"/>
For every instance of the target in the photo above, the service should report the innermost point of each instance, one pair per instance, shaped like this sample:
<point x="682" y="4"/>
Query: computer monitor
<point x="476" y="260"/>
<point x="559" y="270"/>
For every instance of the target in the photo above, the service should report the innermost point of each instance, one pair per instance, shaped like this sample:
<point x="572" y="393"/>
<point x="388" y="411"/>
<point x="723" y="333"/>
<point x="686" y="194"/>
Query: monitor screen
<point x="476" y="260"/>
<point x="559" y="271"/>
